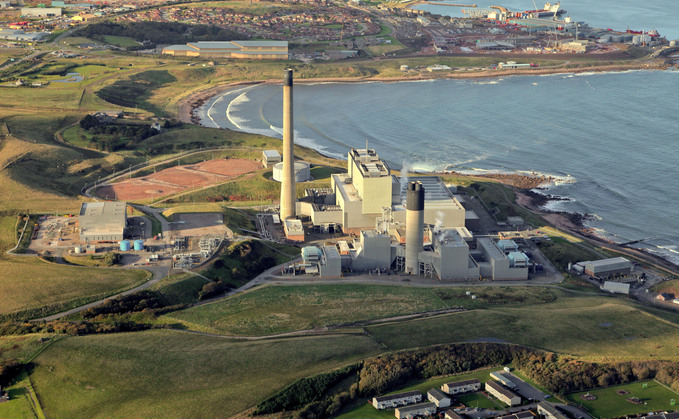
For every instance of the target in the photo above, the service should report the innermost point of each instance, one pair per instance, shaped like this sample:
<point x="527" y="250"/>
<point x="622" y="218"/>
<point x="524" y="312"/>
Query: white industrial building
<point x="368" y="191"/>
<point x="271" y="157"/>
<point x="459" y="387"/>
<point x="40" y="11"/>
<point x="396" y="400"/>
<point x="102" y="221"/>
<point x="616" y="287"/>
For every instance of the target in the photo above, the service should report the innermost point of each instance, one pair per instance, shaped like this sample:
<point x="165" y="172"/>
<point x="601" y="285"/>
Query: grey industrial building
<point x="271" y="157"/>
<point x="499" y="266"/>
<point x="102" y="221"/>
<point x="610" y="266"/>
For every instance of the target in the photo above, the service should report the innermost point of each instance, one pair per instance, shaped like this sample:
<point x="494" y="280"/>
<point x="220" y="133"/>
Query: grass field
<point x="609" y="404"/>
<point x="179" y="289"/>
<point x="121" y="41"/>
<point x="279" y="309"/>
<point x="156" y="373"/>
<point x="22" y="402"/>
<point x="191" y="208"/>
<point x="596" y="328"/>
<point x="470" y="400"/>
<point x="44" y="288"/>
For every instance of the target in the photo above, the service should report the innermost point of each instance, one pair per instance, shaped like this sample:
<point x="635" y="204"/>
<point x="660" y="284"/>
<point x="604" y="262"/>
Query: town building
<point x="438" y="398"/>
<point x="504" y="395"/>
<point x="451" y="414"/>
<point x="421" y="410"/>
<point x="459" y="387"/>
<point x="396" y="400"/>
<point x="274" y="50"/>
<point x="548" y="411"/>
<point x="102" y="221"/>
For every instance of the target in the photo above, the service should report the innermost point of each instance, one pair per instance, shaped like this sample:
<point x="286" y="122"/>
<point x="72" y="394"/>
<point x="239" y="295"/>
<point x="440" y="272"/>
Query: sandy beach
<point x="189" y="104"/>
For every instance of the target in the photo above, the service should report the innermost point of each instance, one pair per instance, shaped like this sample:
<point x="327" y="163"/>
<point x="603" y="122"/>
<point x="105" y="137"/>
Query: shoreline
<point x="572" y="223"/>
<point x="188" y="106"/>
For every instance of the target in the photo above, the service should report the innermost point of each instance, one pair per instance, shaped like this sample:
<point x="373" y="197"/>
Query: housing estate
<point x="396" y="400"/>
<point x="459" y="387"/>
<point x="409" y="412"/>
<point x="504" y="395"/>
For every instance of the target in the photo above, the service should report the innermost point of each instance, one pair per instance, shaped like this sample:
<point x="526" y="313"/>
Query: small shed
<point x="271" y="157"/>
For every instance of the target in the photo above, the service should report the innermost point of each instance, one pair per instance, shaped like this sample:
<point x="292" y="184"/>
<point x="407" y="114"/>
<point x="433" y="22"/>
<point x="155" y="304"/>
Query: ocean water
<point x="612" y="139"/>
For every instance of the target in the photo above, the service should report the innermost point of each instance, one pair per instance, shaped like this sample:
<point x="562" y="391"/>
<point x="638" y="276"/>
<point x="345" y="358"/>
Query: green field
<point x="469" y="400"/>
<point x="280" y="309"/>
<point x="39" y="288"/>
<point x="156" y="373"/>
<point x="22" y="401"/>
<point x="609" y="404"/>
<point x="595" y="327"/>
<point x="121" y="41"/>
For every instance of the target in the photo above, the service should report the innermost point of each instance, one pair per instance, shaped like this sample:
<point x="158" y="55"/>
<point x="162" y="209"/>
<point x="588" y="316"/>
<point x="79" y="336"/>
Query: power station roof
<point x="434" y="188"/>
<point x="271" y="154"/>
<point x="102" y="217"/>
<point x="489" y="245"/>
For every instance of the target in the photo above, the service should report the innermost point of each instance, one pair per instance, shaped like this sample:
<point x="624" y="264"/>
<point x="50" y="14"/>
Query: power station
<point x="410" y="224"/>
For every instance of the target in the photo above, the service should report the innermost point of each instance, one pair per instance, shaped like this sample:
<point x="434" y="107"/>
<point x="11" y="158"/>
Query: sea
<point x="610" y="140"/>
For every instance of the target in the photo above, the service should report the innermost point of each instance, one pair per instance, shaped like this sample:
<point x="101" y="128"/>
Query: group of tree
<point x="139" y="301"/>
<point x="241" y="262"/>
<point x="113" y="137"/>
<point x="385" y="373"/>
<point x="153" y="33"/>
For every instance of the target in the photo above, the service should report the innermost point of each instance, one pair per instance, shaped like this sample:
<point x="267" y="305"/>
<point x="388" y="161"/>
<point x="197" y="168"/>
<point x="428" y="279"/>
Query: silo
<point x="78" y="249"/>
<point x="414" y="226"/>
<point x="139" y="245"/>
<point x="124" y="245"/>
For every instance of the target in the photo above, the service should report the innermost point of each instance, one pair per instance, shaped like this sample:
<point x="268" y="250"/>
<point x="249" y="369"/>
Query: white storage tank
<point x="302" y="171"/>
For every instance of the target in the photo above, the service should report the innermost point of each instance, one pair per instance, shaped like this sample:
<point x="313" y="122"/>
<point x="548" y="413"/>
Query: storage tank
<point x="124" y="245"/>
<point x="139" y="245"/>
<point x="78" y="249"/>
<point x="302" y="171"/>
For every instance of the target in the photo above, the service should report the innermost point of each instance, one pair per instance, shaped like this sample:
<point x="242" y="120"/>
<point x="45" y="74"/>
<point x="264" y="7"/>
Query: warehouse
<point x="276" y="50"/>
<point x="102" y="221"/>
<point x="396" y="400"/>
<point x="610" y="266"/>
<point x="409" y="412"/>
<point x="459" y="387"/>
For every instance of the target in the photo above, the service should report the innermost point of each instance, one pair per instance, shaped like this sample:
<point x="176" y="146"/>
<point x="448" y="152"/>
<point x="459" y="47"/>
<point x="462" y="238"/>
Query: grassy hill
<point x="156" y="373"/>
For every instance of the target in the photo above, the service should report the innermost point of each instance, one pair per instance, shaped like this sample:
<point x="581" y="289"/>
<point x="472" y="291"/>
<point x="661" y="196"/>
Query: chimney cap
<point x="287" y="79"/>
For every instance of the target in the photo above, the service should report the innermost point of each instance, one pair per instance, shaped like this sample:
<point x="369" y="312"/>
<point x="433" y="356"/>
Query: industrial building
<point x="616" y="287"/>
<point x="504" y="395"/>
<point x="459" y="387"/>
<point x="275" y="50"/>
<point x="396" y="400"/>
<point x="413" y="224"/>
<point x="20" y="35"/>
<point x="610" y="266"/>
<point x="416" y="410"/>
<point x="271" y="157"/>
<point x="438" y="398"/>
<point x="102" y="221"/>
<point x="499" y="266"/>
